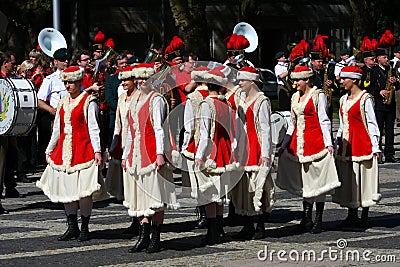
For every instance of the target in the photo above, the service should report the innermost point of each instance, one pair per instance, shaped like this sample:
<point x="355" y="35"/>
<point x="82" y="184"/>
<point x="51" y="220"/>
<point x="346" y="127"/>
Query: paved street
<point x="28" y="235"/>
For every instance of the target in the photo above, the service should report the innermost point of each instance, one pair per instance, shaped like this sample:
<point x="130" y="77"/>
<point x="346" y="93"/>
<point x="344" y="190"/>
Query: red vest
<point x="355" y="143"/>
<point x="221" y="151"/>
<point x="148" y="147"/>
<point x="307" y="139"/>
<point x="74" y="149"/>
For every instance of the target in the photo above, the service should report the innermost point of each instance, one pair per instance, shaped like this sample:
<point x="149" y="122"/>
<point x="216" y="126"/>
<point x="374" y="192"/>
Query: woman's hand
<point x="331" y="150"/>
<point x="377" y="154"/>
<point x="98" y="158"/>
<point x="160" y="161"/>
<point x="198" y="163"/>
<point x="47" y="158"/>
<point x="264" y="161"/>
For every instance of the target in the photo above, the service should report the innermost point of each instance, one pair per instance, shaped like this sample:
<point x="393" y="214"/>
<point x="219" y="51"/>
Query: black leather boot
<point x="317" y="228"/>
<point x="201" y="223"/>
<point x="306" y="222"/>
<point x="260" y="227"/>
<point x="220" y="229"/>
<point x="133" y="229"/>
<point x="144" y="238"/>
<point x="364" y="217"/>
<point x="72" y="230"/>
<point x="212" y="236"/>
<point x="84" y="236"/>
<point x="351" y="220"/>
<point x="248" y="229"/>
<point x="155" y="242"/>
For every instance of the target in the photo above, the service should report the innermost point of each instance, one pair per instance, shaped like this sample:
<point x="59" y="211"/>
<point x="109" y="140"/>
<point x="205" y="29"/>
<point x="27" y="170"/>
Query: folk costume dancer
<point x="72" y="177"/>
<point x="358" y="150"/>
<point x="152" y="186"/>
<point x="213" y="158"/>
<point x="118" y="183"/>
<point x="306" y="165"/>
<point x="253" y="196"/>
<point x="191" y="122"/>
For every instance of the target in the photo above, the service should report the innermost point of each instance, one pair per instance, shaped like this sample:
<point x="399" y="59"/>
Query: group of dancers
<point x="227" y="151"/>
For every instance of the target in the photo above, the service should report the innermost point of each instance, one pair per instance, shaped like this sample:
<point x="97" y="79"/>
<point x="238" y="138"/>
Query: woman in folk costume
<point x="253" y="196"/>
<point x="152" y="187"/>
<point x="358" y="150"/>
<point x="74" y="155"/>
<point x="213" y="157"/>
<point x="190" y="123"/>
<point x="118" y="182"/>
<point x="306" y="165"/>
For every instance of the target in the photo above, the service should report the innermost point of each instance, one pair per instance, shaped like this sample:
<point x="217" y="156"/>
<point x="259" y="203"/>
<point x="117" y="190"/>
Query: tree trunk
<point x="363" y="23"/>
<point x="190" y="19"/>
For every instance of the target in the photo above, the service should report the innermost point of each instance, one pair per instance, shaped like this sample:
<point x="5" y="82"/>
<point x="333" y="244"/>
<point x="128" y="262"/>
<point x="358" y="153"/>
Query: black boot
<point x="144" y="238"/>
<point x="212" y="236"/>
<point x="364" y="217"/>
<point x="133" y="229"/>
<point x="306" y="222"/>
<point x="248" y="229"/>
<point x="155" y="242"/>
<point x="220" y="229"/>
<point x="84" y="236"/>
<point x="201" y="223"/>
<point x="260" y="228"/>
<point x="72" y="230"/>
<point x="317" y="228"/>
<point x="351" y="220"/>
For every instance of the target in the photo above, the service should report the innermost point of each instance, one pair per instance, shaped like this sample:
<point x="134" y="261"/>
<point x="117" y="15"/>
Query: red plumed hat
<point x="236" y="44"/>
<point x="98" y="41"/>
<point x="174" y="48"/>
<point x="320" y="46"/>
<point x="109" y="43"/>
<point x="299" y="51"/>
<point x="387" y="39"/>
<point x="368" y="47"/>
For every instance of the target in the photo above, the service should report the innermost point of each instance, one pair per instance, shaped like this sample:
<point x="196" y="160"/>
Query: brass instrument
<point x="327" y="90"/>
<point x="101" y="63"/>
<point x="389" y="87"/>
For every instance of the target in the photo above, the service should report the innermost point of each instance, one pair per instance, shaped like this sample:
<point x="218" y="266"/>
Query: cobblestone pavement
<point x="28" y="235"/>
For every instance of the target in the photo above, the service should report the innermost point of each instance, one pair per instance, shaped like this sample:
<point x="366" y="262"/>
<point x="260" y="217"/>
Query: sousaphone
<point x="245" y="29"/>
<point x="50" y="40"/>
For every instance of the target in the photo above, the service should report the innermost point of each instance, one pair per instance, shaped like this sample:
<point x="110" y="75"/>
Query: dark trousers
<point x="284" y="98"/>
<point x="44" y="129"/>
<point x="385" y="121"/>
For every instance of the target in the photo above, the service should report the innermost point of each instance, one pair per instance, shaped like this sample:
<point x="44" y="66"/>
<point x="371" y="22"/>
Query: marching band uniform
<point x="152" y="187"/>
<point x="385" y="113"/>
<point x="71" y="176"/>
<point x="358" y="147"/>
<point x="254" y="193"/>
<point x="306" y="165"/>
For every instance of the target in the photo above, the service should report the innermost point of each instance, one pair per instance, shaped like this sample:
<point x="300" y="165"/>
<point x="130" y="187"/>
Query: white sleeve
<point x="93" y="125"/>
<point x="43" y="92"/>
<point x="55" y="135"/>
<point x="128" y="143"/>
<point x="159" y="111"/>
<point x="264" y="115"/>
<point x="340" y="129"/>
<point x="188" y="124"/>
<point x="372" y="125"/>
<point x="324" y="120"/>
<point x="205" y="123"/>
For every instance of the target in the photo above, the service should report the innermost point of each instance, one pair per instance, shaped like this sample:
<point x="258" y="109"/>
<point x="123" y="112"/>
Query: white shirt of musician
<point x="280" y="68"/>
<point x="52" y="89"/>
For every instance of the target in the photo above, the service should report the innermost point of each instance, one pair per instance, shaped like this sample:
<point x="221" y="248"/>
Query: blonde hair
<point x="34" y="53"/>
<point x="26" y="65"/>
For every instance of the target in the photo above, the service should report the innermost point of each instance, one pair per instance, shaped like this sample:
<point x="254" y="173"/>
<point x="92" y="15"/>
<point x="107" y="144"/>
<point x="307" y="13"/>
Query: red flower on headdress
<point x="109" y="43"/>
<point x="387" y="39"/>
<point x="175" y="44"/>
<point x="236" y="42"/>
<point x="99" y="38"/>
<point x="366" y="44"/>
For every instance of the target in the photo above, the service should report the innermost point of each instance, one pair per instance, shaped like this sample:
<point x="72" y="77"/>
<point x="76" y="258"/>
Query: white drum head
<point x="7" y="104"/>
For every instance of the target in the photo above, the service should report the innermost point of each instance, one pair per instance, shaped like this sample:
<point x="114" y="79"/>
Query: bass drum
<point x="279" y="124"/>
<point x="18" y="106"/>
